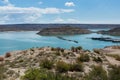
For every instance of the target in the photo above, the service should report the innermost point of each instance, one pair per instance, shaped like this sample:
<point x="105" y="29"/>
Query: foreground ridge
<point x="48" y="63"/>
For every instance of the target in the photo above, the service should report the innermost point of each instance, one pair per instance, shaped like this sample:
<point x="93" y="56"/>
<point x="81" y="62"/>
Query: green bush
<point x="97" y="73"/>
<point x="62" y="66"/>
<point x="38" y="74"/>
<point x="34" y="74"/>
<point x="47" y="64"/>
<point x="79" y="48"/>
<point x="76" y="67"/>
<point x="114" y="74"/>
<point x="84" y="58"/>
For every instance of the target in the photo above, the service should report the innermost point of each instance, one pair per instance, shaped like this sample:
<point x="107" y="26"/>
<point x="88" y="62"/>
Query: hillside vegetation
<point x="48" y="63"/>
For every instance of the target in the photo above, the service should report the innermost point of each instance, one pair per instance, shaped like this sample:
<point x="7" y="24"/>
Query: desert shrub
<point x="98" y="59"/>
<point x="62" y="50"/>
<point x="76" y="67"/>
<point x="97" y="73"/>
<point x="46" y="64"/>
<point x="38" y="74"/>
<point x="114" y="73"/>
<point x="83" y="58"/>
<point x="62" y="66"/>
<point x="7" y="55"/>
<point x="21" y="60"/>
<point x="79" y="48"/>
<point x="1" y="59"/>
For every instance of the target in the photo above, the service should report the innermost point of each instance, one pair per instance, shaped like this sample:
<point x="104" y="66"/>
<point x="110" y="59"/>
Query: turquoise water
<point x="10" y="41"/>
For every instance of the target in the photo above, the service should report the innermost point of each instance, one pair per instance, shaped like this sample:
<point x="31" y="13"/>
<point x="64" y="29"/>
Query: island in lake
<point x="65" y="30"/>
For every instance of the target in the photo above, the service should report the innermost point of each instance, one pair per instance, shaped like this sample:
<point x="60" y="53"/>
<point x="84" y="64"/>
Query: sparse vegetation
<point x="58" y="64"/>
<point x="97" y="73"/>
<point x="38" y="74"/>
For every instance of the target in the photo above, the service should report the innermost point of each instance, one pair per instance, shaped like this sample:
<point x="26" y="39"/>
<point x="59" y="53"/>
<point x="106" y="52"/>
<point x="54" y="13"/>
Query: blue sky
<point x="60" y="11"/>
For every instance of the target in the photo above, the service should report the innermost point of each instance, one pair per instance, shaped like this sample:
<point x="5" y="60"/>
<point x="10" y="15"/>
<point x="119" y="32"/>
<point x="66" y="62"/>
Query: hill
<point x="48" y="63"/>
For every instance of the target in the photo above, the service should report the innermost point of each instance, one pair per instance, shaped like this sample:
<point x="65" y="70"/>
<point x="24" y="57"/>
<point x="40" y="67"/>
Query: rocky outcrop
<point x="66" y="30"/>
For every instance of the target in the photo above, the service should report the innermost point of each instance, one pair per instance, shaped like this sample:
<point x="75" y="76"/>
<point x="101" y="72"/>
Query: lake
<point x="10" y="41"/>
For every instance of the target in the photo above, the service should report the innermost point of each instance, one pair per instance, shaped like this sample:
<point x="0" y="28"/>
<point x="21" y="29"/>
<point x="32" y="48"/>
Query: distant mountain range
<point x="38" y="27"/>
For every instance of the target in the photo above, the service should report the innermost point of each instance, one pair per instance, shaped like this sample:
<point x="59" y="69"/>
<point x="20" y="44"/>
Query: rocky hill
<point x="114" y="32"/>
<point x="65" y="30"/>
<point x="48" y="63"/>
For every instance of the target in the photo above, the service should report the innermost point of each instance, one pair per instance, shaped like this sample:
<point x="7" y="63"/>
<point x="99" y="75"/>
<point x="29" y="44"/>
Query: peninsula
<point x="65" y="30"/>
<point x="114" y="32"/>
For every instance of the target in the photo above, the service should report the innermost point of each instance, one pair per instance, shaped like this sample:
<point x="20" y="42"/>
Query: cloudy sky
<point x="59" y="11"/>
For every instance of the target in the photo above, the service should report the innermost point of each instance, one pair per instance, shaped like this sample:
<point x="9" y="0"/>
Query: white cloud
<point x="69" y="4"/>
<point x="13" y="10"/>
<point x="13" y="14"/>
<point x="69" y="20"/>
<point x="28" y="14"/>
<point x="7" y="2"/>
<point x="4" y="19"/>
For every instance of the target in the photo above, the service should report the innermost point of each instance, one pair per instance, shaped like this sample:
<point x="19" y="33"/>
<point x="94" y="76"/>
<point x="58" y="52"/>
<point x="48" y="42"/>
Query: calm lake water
<point x="10" y="41"/>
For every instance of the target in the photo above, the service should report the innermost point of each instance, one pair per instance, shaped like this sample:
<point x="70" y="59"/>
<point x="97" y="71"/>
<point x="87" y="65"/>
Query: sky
<point x="60" y="11"/>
